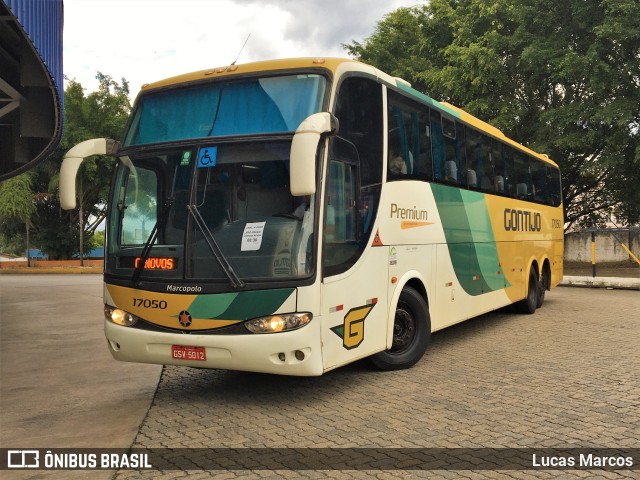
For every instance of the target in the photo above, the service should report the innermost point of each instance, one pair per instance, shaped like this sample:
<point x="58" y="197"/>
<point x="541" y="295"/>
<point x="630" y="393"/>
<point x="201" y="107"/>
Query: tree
<point x="566" y="83"/>
<point x="98" y="114"/>
<point x="16" y="209"/>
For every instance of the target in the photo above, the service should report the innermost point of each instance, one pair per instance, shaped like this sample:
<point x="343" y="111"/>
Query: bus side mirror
<point x="302" y="173"/>
<point x="71" y="163"/>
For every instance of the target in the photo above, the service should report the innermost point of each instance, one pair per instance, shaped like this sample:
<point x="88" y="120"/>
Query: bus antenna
<point x="243" y="45"/>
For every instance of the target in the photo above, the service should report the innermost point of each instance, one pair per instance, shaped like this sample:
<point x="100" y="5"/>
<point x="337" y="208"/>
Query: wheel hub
<point x="404" y="328"/>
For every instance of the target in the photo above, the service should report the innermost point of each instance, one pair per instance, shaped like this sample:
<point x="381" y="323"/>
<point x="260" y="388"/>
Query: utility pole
<point x="28" y="256"/>
<point x="81" y="222"/>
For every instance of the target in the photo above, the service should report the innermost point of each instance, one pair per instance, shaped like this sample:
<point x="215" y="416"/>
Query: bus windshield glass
<point x="238" y="107"/>
<point x="210" y="212"/>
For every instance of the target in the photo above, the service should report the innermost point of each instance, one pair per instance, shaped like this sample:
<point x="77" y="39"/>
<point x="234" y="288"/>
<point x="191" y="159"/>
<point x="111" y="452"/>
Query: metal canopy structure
<point x="31" y="83"/>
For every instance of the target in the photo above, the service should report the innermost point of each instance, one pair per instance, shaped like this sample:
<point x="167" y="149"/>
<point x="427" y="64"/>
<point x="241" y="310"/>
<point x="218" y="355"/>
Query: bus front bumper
<point x="297" y="352"/>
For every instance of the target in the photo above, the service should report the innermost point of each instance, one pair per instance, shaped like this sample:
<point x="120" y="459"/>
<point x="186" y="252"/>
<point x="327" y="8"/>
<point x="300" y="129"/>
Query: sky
<point x="148" y="40"/>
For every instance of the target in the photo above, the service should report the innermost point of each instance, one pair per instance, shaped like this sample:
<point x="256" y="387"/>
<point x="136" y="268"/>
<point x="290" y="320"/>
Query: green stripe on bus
<point x="212" y="306"/>
<point x="239" y="305"/>
<point x="483" y="240"/>
<point x="472" y="247"/>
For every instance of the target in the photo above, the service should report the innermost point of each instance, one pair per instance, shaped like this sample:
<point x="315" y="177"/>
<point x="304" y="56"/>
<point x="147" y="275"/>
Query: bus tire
<point x="543" y="285"/>
<point x="529" y="303"/>
<point x="411" y="333"/>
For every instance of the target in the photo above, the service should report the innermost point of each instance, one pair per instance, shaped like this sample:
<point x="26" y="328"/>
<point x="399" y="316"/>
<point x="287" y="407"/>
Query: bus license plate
<point x="181" y="352"/>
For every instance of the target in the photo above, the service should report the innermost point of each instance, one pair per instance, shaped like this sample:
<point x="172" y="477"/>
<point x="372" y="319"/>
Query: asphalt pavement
<point x="60" y="388"/>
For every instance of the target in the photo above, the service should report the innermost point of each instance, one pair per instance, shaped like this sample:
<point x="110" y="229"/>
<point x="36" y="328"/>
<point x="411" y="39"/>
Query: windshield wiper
<point x="236" y="282"/>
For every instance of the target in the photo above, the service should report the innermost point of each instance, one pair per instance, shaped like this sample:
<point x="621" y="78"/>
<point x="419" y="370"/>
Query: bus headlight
<point x="278" y="323"/>
<point x="119" y="317"/>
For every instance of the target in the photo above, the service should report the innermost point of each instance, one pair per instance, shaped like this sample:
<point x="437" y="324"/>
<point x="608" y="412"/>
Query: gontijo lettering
<point x="522" y="220"/>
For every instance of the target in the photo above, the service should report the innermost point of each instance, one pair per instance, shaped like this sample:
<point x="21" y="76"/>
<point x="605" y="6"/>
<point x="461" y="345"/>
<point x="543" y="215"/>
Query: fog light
<point x="278" y="323"/>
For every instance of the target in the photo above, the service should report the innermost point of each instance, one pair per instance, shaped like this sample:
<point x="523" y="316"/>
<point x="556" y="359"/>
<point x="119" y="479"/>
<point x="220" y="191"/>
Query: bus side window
<point x="356" y="157"/>
<point x="409" y="136"/>
<point x="399" y="157"/>
<point x="480" y="173"/>
<point x="451" y="170"/>
<point x="539" y="181"/>
<point x="448" y="149"/>
<point x="437" y="146"/>
<point x="555" y="191"/>
<point x="425" y="160"/>
<point x="524" y="186"/>
<point x="341" y="248"/>
<point x="497" y="183"/>
<point x="359" y="112"/>
<point x="504" y="172"/>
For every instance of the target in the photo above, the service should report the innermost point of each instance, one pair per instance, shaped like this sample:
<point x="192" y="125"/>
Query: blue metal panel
<point x="42" y="21"/>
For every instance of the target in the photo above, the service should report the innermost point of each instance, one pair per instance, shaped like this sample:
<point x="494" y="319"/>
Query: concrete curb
<point x="601" y="282"/>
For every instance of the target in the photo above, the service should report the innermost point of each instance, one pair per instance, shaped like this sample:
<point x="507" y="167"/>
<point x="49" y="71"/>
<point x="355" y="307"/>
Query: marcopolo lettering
<point x="184" y="288"/>
<point x="522" y="220"/>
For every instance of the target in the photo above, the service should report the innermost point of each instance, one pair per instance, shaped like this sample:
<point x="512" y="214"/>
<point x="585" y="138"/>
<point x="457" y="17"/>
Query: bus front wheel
<point x="411" y="333"/>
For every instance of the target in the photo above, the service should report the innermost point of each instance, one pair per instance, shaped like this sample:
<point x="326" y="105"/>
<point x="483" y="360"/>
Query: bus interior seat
<point x="262" y="202"/>
<point x="451" y="171"/>
<point x="473" y="180"/>
<point x="521" y="190"/>
<point x="500" y="183"/>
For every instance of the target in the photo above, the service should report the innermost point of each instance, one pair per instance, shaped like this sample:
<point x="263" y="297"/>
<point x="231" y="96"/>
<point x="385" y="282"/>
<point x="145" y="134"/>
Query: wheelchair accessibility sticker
<point x="207" y="156"/>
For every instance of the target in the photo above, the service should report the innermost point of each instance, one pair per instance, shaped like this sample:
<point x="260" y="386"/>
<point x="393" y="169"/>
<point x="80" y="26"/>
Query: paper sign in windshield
<point x="252" y="236"/>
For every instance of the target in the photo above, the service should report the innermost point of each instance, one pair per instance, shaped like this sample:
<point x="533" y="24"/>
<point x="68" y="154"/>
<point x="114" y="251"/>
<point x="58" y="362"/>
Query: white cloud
<point x="148" y="40"/>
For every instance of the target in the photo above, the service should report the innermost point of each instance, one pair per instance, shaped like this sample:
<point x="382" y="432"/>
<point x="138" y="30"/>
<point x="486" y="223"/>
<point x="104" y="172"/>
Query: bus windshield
<point x="215" y="212"/>
<point x="238" y="107"/>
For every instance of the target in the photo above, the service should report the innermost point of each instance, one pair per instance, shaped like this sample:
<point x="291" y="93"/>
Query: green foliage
<point x="97" y="241"/>
<point x="97" y="114"/>
<point x="16" y="199"/>
<point x="16" y="209"/>
<point x="560" y="77"/>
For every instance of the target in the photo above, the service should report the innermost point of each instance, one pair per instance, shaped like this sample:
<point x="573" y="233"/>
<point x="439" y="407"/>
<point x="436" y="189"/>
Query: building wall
<point x="577" y="245"/>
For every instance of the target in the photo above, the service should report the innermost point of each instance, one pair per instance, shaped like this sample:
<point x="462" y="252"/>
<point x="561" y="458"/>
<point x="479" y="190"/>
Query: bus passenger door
<point x="354" y="272"/>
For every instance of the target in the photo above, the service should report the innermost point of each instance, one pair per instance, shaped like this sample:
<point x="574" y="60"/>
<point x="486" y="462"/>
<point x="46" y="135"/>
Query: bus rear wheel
<point x="543" y="285"/>
<point x="411" y="333"/>
<point x="529" y="303"/>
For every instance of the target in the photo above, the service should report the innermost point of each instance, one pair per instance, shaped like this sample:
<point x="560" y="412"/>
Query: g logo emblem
<point x="352" y="330"/>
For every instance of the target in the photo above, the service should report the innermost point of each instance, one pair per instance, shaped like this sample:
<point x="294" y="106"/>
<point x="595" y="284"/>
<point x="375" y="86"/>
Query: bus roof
<point x="332" y="64"/>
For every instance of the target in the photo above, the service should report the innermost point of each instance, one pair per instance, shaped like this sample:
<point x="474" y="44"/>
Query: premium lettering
<point x="408" y="213"/>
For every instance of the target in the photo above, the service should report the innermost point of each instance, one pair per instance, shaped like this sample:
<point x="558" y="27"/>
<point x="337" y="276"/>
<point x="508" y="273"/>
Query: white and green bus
<point x="294" y="216"/>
